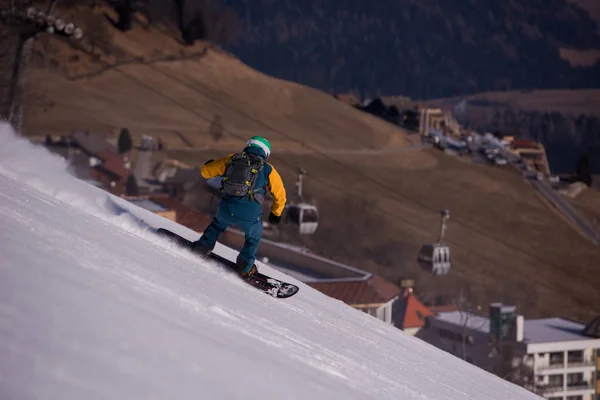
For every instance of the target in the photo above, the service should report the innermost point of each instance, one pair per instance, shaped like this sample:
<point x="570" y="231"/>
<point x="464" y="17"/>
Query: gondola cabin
<point x="435" y="258"/>
<point x="305" y="216"/>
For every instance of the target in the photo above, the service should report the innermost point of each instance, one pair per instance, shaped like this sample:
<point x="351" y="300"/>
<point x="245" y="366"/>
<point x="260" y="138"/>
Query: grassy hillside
<point x="144" y="80"/>
<point x="507" y="243"/>
<point x="377" y="208"/>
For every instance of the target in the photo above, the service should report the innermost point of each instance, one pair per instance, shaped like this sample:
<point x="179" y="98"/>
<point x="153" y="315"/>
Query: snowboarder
<point x="246" y="175"/>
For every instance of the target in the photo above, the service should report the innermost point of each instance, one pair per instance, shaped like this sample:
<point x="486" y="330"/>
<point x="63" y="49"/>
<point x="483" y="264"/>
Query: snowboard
<point x="271" y="286"/>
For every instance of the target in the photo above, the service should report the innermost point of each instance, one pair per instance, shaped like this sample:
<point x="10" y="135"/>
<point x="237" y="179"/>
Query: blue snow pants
<point x="250" y="225"/>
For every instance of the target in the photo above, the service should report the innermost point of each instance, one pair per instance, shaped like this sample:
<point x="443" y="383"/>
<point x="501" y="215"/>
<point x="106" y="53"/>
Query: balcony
<point x="580" y="386"/>
<point x="546" y="389"/>
<point x="550" y="389"/>
<point x="573" y="364"/>
<point x="551" y="366"/>
<point x="580" y="363"/>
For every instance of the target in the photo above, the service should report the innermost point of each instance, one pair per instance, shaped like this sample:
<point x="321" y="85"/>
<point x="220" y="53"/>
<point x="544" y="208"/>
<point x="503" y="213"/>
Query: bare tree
<point x="468" y="309"/>
<point x="215" y="128"/>
<point x="510" y="360"/>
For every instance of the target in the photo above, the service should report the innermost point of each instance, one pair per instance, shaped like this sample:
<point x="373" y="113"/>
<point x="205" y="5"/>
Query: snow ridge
<point x="93" y="306"/>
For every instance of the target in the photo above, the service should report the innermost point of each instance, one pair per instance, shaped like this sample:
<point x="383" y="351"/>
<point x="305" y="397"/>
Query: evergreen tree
<point x="584" y="170"/>
<point x="131" y="187"/>
<point x="125" y="141"/>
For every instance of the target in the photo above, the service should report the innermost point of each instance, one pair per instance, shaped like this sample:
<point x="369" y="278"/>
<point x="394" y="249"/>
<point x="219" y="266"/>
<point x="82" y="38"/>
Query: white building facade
<point x="565" y="362"/>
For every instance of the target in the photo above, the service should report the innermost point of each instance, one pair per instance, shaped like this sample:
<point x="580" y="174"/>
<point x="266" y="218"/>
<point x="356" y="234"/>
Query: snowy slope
<point x="92" y="306"/>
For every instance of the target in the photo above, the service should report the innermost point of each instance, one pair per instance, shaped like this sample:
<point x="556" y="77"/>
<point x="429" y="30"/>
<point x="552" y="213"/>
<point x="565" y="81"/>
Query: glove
<point x="274" y="219"/>
<point x="209" y="161"/>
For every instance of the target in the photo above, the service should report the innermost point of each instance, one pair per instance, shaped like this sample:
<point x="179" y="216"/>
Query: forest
<point x="420" y="48"/>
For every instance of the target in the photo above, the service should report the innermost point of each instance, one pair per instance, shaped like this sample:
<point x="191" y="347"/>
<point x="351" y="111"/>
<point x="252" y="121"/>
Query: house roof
<point x="114" y="164"/>
<point x="409" y="312"/>
<point x="545" y="330"/>
<point x="92" y="143"/>
<point x="374" y="290"/>
<point x="524" y="144"/>
<point x="550" y="330"/>
<point x="463" y="318"/>
<point x="185" y="215"/>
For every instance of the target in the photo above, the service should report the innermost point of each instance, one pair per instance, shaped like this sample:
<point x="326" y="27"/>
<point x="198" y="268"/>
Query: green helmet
<point x="259" y="141"/>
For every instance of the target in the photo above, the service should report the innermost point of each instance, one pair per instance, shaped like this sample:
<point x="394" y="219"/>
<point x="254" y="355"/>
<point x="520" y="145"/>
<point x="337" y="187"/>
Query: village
<point x="555" y="357"/>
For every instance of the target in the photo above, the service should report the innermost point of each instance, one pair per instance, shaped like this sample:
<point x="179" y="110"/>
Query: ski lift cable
<point x="316" y="151"/>
<point x="337" y="188"/>
<point x="194" y="87"/>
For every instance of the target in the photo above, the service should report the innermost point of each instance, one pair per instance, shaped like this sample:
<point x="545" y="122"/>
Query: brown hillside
<point x="507" y="244"/>
<point x="153" y="86"/>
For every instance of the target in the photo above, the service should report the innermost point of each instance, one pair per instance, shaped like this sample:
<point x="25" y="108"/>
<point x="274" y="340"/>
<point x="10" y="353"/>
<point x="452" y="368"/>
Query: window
<point x="310" y="215"/>
<point x="450" y="335"/>
<point x="555" y="398"/>
<point x="578" y="397"/>
<point x="575" y="357"/>
<point x="557" y="358"/>
<point x="575" y="379"/>
<point x="555" y="380"/>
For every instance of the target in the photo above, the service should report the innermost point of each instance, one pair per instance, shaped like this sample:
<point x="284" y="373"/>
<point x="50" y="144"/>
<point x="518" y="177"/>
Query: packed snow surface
<point x="95" y="306"/>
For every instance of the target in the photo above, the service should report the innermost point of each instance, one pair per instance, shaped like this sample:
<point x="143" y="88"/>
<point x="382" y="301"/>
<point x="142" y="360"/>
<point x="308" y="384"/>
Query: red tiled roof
<point x="114" y="164"/>
<point x="409" y="312"/>
<point x="185" y="215"/>
<point x="416" y="312"/>
<point x="523" y="144"/>
<point x="374" y="290"/>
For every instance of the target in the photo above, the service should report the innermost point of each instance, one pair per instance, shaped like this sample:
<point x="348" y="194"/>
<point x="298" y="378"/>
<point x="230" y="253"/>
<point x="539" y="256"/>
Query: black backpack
<point x="241" y="173"/>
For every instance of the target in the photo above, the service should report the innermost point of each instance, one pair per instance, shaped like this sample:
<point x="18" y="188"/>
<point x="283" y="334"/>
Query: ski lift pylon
<point x="303" y="214"/>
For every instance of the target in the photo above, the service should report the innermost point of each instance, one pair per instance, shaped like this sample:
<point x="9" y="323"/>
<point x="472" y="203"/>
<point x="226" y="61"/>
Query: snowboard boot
<point x="200" y="249"/>
<point x="243" y="270"/>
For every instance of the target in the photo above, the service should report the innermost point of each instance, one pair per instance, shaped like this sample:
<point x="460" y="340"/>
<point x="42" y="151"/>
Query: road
<point x="552" y="196"/>
<point x="567" y="209"/>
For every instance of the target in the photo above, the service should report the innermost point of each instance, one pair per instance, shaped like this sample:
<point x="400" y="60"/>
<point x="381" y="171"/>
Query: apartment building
<point x="560" y="357"/>
<point x="564" y="359"/>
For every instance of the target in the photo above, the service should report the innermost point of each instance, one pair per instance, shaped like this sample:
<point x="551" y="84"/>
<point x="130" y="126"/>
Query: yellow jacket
<point x="269" y="177"/>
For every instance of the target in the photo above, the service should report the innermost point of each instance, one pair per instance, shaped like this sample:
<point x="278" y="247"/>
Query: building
<point x="92" y="158"/>
<point x="436" y="119"/>
<point x="555" y="357"/>
<point x="410" y="315"/>
<point x="173" y="209"/>
<point x="532" y="153"/>
<point x="370" y="294"/>
<point x="566" y="362"/>
<point x="461" y="333"/>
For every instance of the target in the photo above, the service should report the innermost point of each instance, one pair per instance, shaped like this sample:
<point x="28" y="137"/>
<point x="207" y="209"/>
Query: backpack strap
<point x="255" y="172"/>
